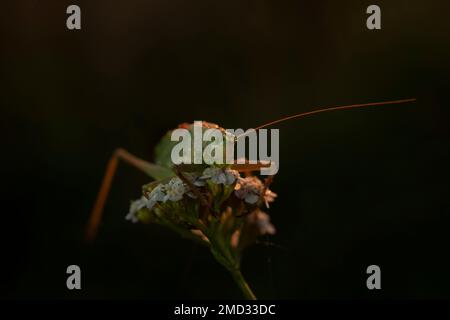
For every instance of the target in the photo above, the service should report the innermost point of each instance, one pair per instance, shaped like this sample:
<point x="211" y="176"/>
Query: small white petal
<point x="251" y="198"/>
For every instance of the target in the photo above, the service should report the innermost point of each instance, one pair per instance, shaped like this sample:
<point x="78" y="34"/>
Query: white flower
<point x="217" y="175"/>
<point x="174" y="190"/>
<point x="251" y="198"/>
<point x="249" y="189"/>
<point x="134" y="209"/>
<point x="195" y="179"/>
<point x="157" y="194"/>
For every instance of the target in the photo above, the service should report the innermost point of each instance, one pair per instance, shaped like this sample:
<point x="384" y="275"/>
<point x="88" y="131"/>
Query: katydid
<point x="209" y="203"/>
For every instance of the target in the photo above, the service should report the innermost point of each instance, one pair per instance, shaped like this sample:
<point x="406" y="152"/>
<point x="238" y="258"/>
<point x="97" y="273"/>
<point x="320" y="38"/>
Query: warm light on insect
<point x="219" y="205"/>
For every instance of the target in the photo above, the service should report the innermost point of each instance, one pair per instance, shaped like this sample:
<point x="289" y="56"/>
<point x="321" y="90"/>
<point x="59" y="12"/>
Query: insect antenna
<point x="321" y="110"/>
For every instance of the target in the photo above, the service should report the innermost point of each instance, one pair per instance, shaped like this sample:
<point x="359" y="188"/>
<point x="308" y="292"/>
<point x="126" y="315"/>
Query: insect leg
<point x="97" y="210"/>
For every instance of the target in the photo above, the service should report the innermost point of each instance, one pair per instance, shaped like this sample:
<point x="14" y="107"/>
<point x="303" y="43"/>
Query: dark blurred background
<point x="355" y="187"/>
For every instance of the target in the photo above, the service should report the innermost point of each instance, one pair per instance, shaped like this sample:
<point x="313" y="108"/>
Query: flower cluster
<point x="251" y="190"/>
<point x="215" y="206"/>
<point x="171" y="191"/>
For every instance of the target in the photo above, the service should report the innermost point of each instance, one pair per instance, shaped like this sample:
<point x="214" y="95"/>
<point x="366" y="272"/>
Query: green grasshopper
<point x="219" y="206"/>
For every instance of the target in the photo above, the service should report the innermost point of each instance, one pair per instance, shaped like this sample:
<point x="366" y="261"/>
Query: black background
<point x="355" y="187"/>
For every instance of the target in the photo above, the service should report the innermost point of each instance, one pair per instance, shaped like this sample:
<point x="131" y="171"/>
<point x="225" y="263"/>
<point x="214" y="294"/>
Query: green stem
<point x="223" y="255"/>
<point x="243" y="285"/>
